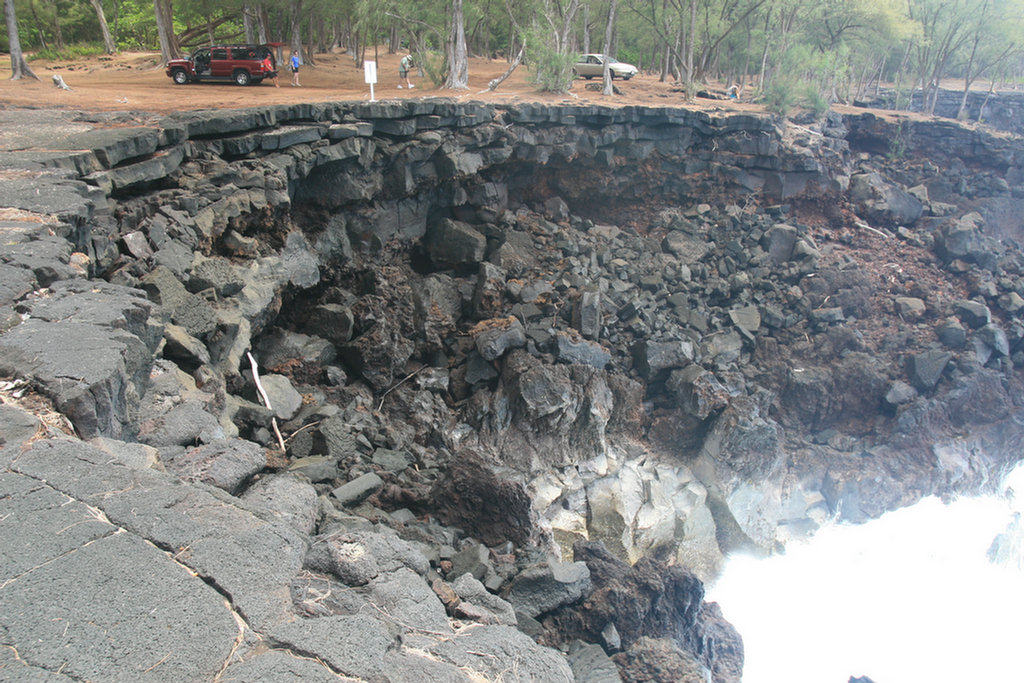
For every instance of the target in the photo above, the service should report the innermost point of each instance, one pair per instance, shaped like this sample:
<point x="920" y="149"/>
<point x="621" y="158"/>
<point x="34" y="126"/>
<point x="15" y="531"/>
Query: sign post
<point x="370" y="74"/>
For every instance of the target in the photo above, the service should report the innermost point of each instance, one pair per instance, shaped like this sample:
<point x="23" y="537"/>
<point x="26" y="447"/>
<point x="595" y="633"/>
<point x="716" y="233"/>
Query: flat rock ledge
<point x="128" y="573"/>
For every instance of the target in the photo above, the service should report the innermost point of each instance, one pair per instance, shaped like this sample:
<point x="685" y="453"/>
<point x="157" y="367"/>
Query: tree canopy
<point x="780" y="51"/>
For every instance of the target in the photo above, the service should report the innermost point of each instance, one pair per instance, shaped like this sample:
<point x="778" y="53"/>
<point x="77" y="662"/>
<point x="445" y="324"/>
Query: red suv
<point x="242" y="64"/>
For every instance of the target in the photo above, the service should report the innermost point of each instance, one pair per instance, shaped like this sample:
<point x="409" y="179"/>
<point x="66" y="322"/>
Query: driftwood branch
<point x="495" y="82"/>
<point x="265" y="398"/>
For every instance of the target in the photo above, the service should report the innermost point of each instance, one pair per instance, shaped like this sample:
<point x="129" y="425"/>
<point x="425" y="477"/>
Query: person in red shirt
<point x="271" y="73"/>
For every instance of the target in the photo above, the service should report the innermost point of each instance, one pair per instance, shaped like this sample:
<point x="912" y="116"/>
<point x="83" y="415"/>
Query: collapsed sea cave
<point x="579" y="354"/>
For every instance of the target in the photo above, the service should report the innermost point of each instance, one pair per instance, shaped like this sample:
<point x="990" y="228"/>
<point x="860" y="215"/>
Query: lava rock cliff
<point x="474" y="392"/>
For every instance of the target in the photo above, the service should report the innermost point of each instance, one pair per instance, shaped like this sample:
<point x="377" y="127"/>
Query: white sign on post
<point x="370" y="74"/>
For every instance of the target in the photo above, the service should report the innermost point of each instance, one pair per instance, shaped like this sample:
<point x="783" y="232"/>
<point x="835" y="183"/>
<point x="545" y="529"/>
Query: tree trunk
<point x="608" y="88"/>
<point x="169" y="48"/>
<point x="262" y="22"/>
<point x="586" y="28"/>
<point x="117" y="16"/>
<point x="311" y="50"/>
<point x="690" y="46"/>
<point x="764" y="54"/>
<point x="19" y="68"/>
<point x="676" y="63"/>
<point x="108" y="41"/>
<point x="458" y="61"/>
<point x="487" y="32"/>
<point x="38" y="22"/>
<point x="494" y="83"/>
<point x="248" y="24"/>
<point x="296" y="26"/>
<point x="58" y="32"/>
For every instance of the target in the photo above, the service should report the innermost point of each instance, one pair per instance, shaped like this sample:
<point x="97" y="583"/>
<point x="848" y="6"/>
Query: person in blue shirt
<point x="295" y="67"/>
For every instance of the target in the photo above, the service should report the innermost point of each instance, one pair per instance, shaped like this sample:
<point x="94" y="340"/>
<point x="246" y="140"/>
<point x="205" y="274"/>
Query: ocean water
<point x="908" y="598"/>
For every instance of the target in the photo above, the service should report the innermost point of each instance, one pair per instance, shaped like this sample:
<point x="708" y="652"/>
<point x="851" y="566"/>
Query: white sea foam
<point x="909" y="597"/>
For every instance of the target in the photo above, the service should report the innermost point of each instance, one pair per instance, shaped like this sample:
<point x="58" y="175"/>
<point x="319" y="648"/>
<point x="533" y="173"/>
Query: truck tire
<point x="242" y="77"/>
<point x="179" y="76"/>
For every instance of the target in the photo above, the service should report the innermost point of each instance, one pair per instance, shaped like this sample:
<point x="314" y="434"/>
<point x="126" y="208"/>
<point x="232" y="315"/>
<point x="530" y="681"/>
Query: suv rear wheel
<point x="180" y="77"/>
<point x="242" y="77"/>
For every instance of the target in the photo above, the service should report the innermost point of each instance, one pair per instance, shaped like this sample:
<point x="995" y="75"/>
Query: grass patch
<point x="69" y="53"/>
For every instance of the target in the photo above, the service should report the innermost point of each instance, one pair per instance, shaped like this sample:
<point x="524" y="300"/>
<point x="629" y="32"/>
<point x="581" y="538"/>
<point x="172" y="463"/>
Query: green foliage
<point x="551" y="70"/>
<point x="433" y="66"/>
<point x="798" y="82"/>
<point x="134" y="26"/>
<point x="813" y="99"/>
<point x="70" y="52"/>
<point x="898" y="142"/>
<point x="780" y="97"/>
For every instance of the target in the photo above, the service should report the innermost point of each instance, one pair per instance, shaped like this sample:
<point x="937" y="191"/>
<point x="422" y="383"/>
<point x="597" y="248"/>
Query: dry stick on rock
<point x="301" y="429"/>
<point x="266" y="399"/>
<point x="868" y="227"/>
<point x="398" y="384"/>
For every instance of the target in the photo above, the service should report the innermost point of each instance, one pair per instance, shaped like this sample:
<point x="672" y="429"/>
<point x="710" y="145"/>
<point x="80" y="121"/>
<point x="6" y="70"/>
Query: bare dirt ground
<point x="138" y="82"/>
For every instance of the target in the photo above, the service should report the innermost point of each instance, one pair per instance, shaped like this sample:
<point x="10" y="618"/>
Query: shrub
<point x="551" y="70"/>
<point x="780" y="97"/>
<point x="815" y="101"/>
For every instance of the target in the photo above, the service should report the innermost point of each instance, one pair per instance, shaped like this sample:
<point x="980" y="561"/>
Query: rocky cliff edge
<point x="424" y="389"/>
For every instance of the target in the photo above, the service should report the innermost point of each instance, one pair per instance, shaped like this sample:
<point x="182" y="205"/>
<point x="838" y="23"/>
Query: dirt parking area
<point x="138" y="82"/>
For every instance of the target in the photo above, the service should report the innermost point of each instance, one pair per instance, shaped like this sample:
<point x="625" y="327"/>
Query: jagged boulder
<point x="651" y="600"/>
<point x="963" y="238"/>
<point x="453" y="243"/>
<point x="780" y="241"/>
<point x="925" y="369"/>
<point x="883" y="202"/>
<point x="654" y="357"/>
<point x="217" y="274"/>
<point x="185" y="424"/>
<point x="687" y="247"/>
<point x="332" y="321"/>
<point x="289" y="497"/>
<point x="493" y="338"/>
<point x="89" y="346"/>
<point x="545" y="586"/>
<point x="572" y="349"/>
<point x="590" y="664"/>
<point x="699" y="392"/>
<point x="381" y="351"/>
<point x="662" y="660"/>
<point x="358" y="557"/>
<point x="280" y="347"/>
<point x="481" y="499"/>
<point x="479" y="604"/>
<point x="744" y="439"/>
<point x="227" y="464"/>
<point x="437" y="308"/>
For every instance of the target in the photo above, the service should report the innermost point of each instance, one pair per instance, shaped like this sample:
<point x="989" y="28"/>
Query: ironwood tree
<point x="19" y="67"/>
